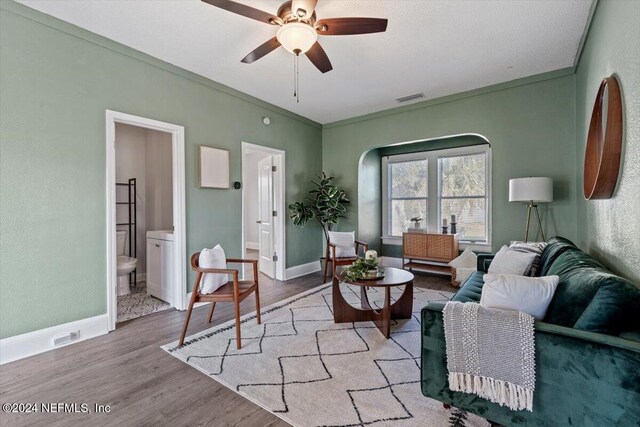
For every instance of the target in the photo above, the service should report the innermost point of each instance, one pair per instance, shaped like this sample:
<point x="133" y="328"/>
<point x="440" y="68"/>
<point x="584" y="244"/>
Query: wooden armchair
<point x="232" y="291"/>
<point x="330" y="257"/>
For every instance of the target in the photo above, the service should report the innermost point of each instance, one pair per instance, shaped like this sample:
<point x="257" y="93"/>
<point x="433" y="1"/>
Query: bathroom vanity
<point x="160" y="264"/>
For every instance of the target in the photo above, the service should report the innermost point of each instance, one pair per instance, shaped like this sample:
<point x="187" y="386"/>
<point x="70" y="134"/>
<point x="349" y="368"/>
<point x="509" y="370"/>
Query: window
<point x="434" y="185"/>
<point x="408" y="193"/>
<point x="463" y="184"/>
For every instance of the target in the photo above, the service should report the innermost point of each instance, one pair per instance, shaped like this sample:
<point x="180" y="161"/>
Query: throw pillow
<point x="531" y="295"/>
<point x="212" y="258"/>
<point x="509" y="261"/>
<point x="467" y="259"/>
<point x="463" y="274"/>
<point x="345" y="243"/>
<point x="531" y="247"/>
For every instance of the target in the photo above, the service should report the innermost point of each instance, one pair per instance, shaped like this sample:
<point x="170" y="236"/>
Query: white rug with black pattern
<point x="301" y="366"/>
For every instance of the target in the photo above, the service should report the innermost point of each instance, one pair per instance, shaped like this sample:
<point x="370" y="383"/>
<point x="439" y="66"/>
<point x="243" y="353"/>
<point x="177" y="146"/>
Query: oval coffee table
<point x="344" y="312"/>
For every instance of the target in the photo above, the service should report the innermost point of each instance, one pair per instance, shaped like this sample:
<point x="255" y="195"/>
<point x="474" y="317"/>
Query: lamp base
<point x="531" y="206"/>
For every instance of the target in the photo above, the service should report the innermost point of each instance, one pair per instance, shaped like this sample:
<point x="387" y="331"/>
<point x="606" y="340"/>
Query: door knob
<point x="258" y="222"/>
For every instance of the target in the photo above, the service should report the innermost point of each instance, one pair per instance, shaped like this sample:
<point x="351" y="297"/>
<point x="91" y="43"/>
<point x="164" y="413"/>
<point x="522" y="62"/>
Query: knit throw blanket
<point x="490" y="353"/>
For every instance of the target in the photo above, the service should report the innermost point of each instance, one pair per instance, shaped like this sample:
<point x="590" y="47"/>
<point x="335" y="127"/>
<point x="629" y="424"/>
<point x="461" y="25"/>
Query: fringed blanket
<point x="490" y="353"/>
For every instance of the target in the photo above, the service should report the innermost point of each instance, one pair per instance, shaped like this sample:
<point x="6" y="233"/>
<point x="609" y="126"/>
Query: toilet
<point x="125" y="264"/>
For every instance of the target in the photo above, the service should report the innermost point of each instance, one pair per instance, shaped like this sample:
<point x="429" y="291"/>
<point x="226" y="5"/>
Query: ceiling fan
<point x="299" y="29"/>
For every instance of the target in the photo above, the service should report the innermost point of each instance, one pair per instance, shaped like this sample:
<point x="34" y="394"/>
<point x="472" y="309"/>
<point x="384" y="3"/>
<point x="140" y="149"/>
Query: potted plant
<point x="416" y="222"/>
<point x="362" y="269"/>
<point x="326" y="203"/>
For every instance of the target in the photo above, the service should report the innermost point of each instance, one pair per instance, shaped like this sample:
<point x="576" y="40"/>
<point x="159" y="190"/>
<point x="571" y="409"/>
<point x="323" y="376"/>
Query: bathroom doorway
<point x="263" y="209"/>
<point x="145" y="203"/>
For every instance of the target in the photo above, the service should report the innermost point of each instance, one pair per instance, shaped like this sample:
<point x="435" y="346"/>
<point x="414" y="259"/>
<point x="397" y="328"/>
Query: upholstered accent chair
<point x="342" y="249"/>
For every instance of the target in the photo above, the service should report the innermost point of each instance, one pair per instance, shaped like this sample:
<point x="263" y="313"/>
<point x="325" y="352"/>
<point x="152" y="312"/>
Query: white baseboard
<point x="252" y="245"/>
<point x="388" y="261"/>
<point x="32" y="343"/>
<point x="302" y="270"/>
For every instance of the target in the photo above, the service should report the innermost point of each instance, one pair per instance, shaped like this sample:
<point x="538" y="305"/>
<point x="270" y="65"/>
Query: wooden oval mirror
<point x="604" y="142"/>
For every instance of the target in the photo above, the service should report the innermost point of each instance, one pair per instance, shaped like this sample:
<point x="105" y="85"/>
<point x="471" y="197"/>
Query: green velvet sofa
<point x="587" y="347"/>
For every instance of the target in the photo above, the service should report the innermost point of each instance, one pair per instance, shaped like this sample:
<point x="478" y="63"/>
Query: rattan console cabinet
<point x="429" y="252"/>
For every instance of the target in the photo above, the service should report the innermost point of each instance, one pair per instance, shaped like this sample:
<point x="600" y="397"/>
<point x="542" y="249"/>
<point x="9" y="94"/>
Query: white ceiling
<point x="433" y="46"/>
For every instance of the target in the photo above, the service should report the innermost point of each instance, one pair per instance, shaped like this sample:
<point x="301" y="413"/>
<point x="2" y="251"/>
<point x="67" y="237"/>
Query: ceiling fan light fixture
<point x="297" y="36"/>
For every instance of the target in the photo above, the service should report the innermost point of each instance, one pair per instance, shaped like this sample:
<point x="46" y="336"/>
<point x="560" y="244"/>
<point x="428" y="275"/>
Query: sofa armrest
<point x="484" y="260"/>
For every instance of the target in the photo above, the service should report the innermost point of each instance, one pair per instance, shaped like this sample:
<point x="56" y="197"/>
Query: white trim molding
<point x="179" y="207"/>
<point x="302" y="269"/>
<point x="252" y="245"/>
<point x="434" y="198"/>
<point x="388" y="261"/>
<point x="36" y="342"/>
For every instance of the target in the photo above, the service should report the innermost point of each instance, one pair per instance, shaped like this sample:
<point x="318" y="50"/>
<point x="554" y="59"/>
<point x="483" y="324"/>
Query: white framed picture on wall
<point x="214" y="167"/>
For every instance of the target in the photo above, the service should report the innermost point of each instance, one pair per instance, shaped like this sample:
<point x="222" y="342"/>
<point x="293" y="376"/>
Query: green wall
<point x="610" y="229"/>
<point x="56" y="82"/>
<point x="530" y="124"/>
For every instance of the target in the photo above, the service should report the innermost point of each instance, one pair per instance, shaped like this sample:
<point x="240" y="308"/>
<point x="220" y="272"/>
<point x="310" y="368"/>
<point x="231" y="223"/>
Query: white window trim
<point x="434" y="188"/>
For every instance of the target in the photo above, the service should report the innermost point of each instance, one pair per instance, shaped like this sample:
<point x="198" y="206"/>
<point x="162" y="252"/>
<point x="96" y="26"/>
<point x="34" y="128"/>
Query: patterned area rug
<point x="138" y="303"/>
<point x="301" y="366"/>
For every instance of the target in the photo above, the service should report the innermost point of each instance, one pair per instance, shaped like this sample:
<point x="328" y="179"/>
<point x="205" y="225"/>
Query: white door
<point x="265" y="216"/>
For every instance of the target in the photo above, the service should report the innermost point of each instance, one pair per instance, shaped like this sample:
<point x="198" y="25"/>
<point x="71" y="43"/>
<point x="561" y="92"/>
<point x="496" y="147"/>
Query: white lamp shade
<point x="297" y="35"/>
<point x="532" y="189"/>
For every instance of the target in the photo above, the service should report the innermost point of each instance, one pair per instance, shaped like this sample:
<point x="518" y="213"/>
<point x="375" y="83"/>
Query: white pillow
<point x="531" y="295"/>
<point x="212" y="258"/>
<point x="510" y="261"/>
<point x="463" y="274"/>
<point x="534" y="248"/>
<point x="345" y="244"/>
<point x="467" y="259"/>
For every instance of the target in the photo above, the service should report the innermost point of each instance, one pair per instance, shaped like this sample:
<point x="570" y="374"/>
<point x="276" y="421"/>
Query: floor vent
<point x="410" y="97"/>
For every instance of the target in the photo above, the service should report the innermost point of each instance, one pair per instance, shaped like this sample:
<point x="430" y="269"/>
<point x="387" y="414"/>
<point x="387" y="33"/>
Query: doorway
<point x="263" y="208"/>
<point x="145" y="205"/>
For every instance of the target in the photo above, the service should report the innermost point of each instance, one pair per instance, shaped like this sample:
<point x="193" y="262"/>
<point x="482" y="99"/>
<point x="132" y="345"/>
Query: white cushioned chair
<point x="342" y="249"/>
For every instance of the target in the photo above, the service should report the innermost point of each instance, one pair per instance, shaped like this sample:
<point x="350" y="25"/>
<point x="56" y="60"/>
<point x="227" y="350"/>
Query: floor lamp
<point x="531" y="190"/>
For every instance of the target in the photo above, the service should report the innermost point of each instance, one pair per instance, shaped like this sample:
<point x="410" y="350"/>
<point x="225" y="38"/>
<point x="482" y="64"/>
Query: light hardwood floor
<point x="144" y="385"/>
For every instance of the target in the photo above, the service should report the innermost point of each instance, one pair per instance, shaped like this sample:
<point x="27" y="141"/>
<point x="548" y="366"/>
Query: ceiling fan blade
<point x="319" y="58"/>
<point x="262" y="50"/>
<point x="245" y="10"/>
<point x="303" y="9"/>
<point x="348" y="26"/>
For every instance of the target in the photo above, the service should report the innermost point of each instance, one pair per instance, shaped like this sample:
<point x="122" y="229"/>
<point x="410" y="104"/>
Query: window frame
<point x="434" y="189"/>
<point x="387" y="192"/>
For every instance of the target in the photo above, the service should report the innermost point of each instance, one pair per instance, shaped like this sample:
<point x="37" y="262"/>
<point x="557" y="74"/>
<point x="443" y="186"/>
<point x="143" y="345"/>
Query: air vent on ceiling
<point x="410" y="97"/>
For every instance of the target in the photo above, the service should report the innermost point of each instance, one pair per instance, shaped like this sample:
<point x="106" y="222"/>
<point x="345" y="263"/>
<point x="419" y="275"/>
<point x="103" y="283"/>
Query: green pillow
<point x="574" y="293"/>
<point x="614" y="307"/>
<point x="555" y="247"/>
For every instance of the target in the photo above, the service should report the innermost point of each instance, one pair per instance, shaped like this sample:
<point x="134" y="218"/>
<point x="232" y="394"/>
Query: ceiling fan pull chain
<point x="296" y="91"/>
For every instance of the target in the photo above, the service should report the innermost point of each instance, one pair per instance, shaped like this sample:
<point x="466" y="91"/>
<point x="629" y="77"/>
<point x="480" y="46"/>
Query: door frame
<point x="179" y="208"/>
<point x="279" y="186"/>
